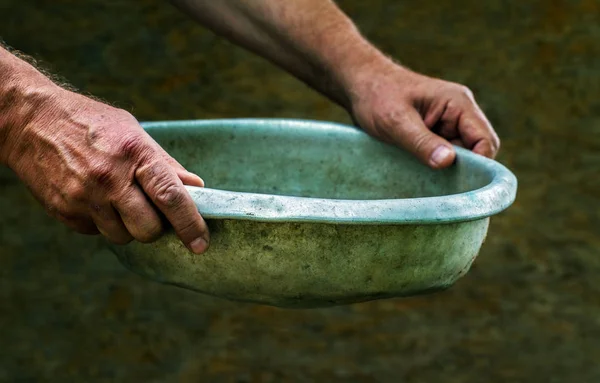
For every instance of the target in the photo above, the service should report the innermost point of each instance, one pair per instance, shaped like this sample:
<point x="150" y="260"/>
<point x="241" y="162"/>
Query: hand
<point x="315" y="41"/>
<point x="421" y="114"/>
<point x="94" y="168"/>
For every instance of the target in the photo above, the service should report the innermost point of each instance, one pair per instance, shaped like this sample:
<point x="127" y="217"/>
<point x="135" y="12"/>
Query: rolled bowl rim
<point x="474" y="204"/>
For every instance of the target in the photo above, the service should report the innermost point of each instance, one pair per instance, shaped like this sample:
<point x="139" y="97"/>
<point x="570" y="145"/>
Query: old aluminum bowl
<point x="312" y="214"/>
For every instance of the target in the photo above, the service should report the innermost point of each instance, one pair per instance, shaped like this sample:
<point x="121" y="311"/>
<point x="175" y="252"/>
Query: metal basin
<point x="313" y="214"/>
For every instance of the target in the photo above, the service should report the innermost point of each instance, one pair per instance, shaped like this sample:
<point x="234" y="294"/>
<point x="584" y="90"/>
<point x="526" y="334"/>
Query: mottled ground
<point x="529" y="311"/>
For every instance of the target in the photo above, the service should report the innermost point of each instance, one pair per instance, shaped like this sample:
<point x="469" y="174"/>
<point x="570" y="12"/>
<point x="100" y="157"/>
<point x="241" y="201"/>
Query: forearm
<point x="312" y="39"/>
<point x="24" y="94"/>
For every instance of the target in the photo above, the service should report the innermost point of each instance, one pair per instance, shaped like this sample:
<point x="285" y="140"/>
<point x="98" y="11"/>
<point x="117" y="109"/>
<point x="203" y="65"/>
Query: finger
<point x="410" y="132"/>
<point x="165" y="189"/>
<point x="485" y="148"/>
<point x="447" y="130"/>
<point x="110" y="225"/>
<point x="79" y="224"/>
<point x="477" y="133"/>
<point x="189" y="178"/>
<point x="138" y="215"/>
<point x="443" y="121"/>
<point x="457" y="142"/>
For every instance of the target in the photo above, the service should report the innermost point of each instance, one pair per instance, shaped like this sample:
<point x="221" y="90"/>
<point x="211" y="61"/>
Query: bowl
<point x="307" y="214"/>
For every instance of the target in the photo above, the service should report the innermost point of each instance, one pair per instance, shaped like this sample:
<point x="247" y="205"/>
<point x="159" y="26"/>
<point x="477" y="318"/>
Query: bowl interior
<point x="306" y="159"/>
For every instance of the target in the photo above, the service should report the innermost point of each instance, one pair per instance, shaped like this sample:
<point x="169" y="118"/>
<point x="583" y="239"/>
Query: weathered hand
<point x="421" y="114"/>
<point x="94" y="168"/>
<point x="315" y="41"/>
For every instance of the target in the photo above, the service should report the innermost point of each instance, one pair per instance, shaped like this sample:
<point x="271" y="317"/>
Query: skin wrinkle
<point x="31" y="108"/>
<point x="81" y="154"/>
<point x="451" y="116"/>
<point x="434" y="120"/>
<point x="62" y="179"/>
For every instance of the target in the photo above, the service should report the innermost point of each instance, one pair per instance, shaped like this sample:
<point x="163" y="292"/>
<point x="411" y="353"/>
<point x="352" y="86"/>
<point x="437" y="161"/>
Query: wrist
<point x="376" y="78"/>
<point x="354" y="66"/>
<point x="24" y="97"/>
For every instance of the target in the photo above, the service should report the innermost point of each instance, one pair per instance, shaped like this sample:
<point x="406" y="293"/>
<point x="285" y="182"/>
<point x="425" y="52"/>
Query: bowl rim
<point x="474" y="204"/>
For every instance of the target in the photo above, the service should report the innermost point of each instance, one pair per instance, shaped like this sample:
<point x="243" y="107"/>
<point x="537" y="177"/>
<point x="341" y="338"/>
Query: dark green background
<point x="529" y="311"/>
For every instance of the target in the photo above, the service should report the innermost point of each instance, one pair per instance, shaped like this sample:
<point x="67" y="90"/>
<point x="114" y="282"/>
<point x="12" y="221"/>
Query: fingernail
<point x="198" y="245"/>
<point x="200" y="180"/>
<point x="440" y="155"/>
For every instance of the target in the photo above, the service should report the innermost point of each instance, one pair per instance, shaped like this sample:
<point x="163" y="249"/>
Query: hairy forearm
<point x="312" y="39"/>
<point x="24" y="94"/>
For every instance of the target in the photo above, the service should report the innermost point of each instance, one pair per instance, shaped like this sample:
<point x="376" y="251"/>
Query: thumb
<point x="410" y="132"/>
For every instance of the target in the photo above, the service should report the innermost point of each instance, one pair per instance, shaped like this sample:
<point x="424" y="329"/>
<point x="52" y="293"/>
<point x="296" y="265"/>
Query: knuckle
<point x="101" y="174"/>
<point x="389" y="116"/>
<point x="467" y="92"/>
<point x="386" y="121"/>
<point x="189" y="227"/>
<point x="420" y="143"/>
<point x="150" y="233"/>
<point x="169" y="194"/>
<point x="462" y="91"/>
<point x="60" y="209"/>
<point x="76" y="191"/>
<point x="131" y="146"/>
<point x="452" y="111"/>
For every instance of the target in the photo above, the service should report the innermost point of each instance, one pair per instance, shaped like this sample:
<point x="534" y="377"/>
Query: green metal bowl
<point x="312" y="214"/>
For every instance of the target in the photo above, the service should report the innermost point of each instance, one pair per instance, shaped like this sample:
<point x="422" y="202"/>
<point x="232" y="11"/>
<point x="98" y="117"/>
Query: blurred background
<point x="529" y="310"/>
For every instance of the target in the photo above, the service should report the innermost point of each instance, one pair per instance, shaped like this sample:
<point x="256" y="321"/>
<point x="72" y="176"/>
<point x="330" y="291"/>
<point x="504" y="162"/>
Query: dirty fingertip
<point x="198" y="245"/>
